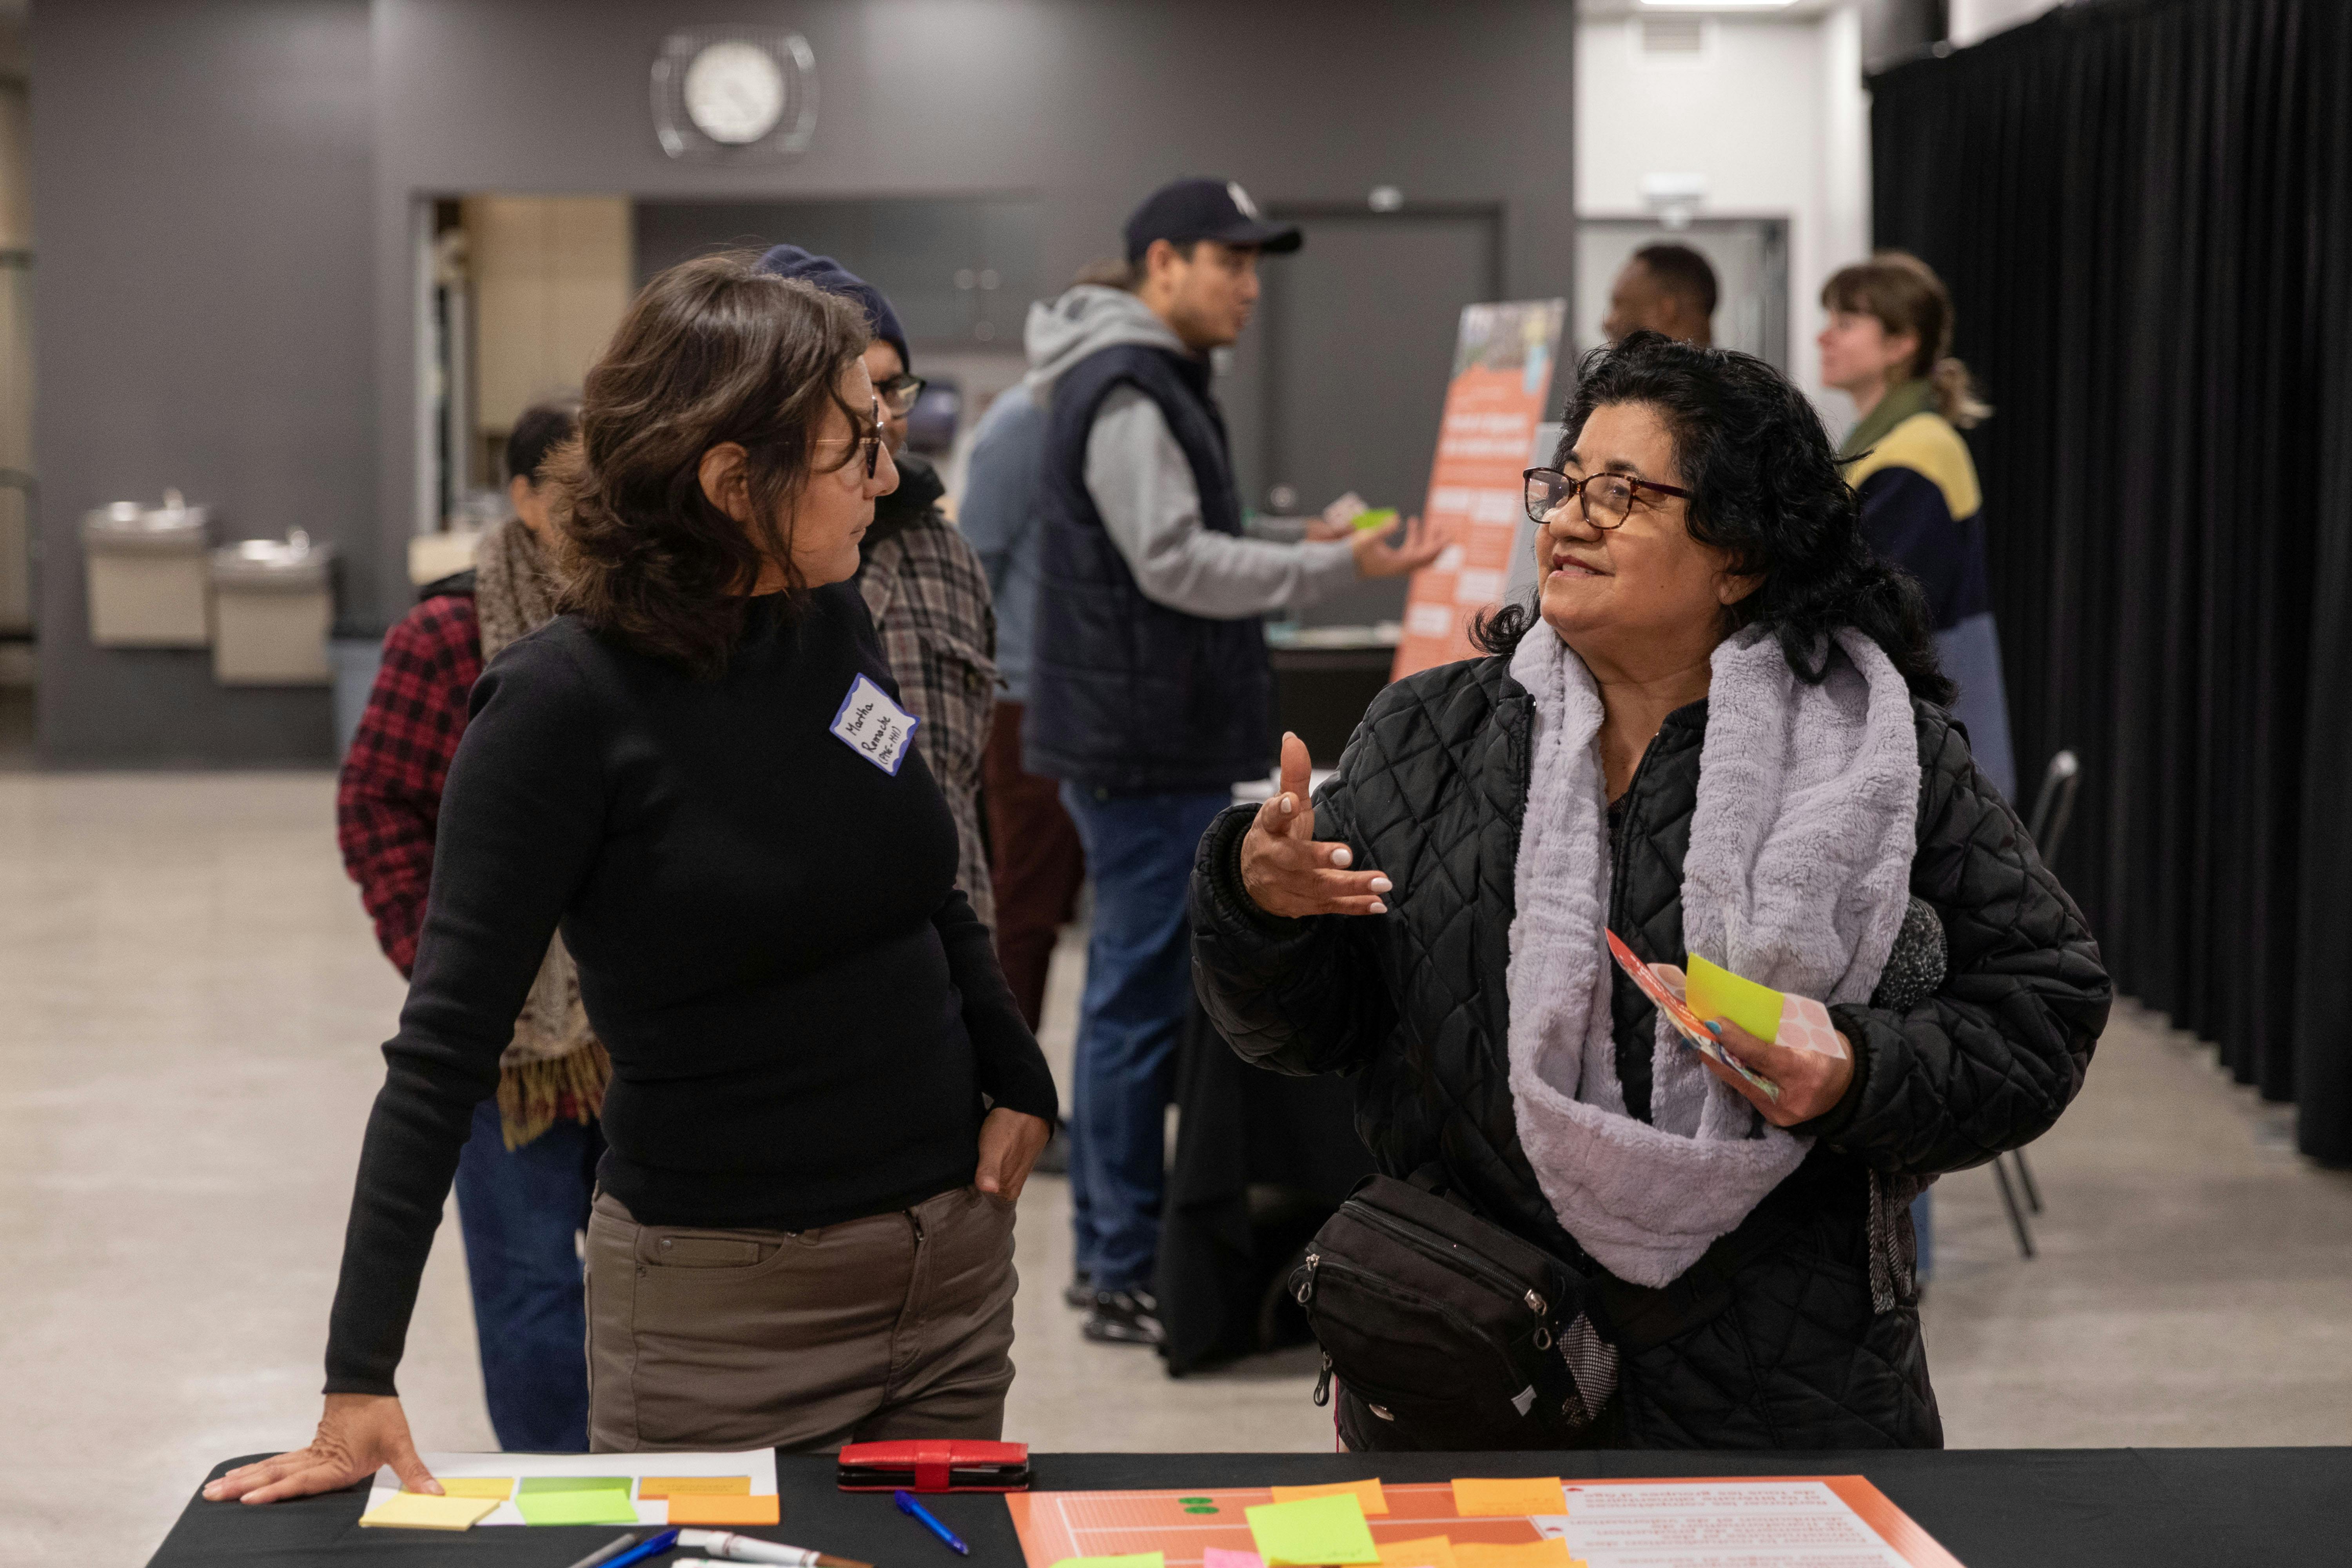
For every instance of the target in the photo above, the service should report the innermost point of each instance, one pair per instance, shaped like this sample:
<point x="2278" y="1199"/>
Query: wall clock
<point x="736" y="94"/>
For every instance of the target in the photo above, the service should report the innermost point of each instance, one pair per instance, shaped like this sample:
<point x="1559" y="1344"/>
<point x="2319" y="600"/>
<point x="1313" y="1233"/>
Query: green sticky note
<point x="577" y="1484"/>
<point x="1714" y="992"/>
<point x="600" y="1505"/>
<point x="1368" y="520"/>
<point x="1313" y="1532"/>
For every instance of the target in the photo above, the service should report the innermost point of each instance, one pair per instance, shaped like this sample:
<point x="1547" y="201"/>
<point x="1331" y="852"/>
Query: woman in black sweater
<point x="823" y="1098"/>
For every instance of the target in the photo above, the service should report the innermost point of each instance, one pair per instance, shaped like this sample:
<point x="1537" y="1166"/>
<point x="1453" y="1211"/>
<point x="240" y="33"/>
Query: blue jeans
<point x="1139" y="851"/>
<point x="521" y="1212"/>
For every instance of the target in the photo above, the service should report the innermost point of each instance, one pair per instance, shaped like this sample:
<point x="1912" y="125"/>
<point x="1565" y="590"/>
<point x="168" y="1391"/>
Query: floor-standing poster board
<point x="1503" y="363"/>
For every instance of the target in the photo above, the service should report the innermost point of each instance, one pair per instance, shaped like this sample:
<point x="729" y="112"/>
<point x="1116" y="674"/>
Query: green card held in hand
<point x="1313" y="1532"/>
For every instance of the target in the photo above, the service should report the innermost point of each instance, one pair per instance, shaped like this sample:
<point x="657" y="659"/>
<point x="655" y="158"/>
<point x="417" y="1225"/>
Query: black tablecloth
<point x="2080" y="1507"/>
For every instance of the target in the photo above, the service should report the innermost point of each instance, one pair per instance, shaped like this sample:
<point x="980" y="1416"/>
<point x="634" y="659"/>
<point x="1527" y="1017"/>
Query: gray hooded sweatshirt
<point x="1143" y="487"/>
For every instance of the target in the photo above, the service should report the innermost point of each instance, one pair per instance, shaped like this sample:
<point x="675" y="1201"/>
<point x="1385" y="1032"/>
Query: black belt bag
<point x="1439" y="1320"/>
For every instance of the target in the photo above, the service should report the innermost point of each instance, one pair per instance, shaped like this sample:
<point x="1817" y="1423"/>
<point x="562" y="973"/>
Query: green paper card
<point x="577" y="1484"/>
<point x="1312" y="1533"/>
<point x="599" y="1506"/>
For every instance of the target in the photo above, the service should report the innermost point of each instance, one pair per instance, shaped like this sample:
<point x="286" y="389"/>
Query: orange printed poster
<point x="1699" y="1522"/>
<point x="1503" y="362"/>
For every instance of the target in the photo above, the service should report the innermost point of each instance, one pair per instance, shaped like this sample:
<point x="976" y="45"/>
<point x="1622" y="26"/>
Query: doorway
<point x="1750" y="258"/>
<point x="1339" y="385"/>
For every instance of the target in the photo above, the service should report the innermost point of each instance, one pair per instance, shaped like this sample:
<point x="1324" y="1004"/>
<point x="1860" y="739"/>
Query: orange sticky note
<point x="691" y="1509"/>
<point x="1367" y="1493"/>
<point x="695" y="1486"/>
<point x="1515" y="1496"/>
<point x="1429" y="1552"/>
<point x="1549" y="1553"/>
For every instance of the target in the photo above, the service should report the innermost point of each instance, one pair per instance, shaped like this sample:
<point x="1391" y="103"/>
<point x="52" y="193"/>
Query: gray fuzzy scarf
<point x="1798" y="876"/>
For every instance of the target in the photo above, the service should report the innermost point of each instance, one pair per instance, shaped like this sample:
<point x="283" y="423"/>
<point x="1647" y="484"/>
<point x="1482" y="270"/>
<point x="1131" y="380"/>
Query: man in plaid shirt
<point x="520" y="1207"/>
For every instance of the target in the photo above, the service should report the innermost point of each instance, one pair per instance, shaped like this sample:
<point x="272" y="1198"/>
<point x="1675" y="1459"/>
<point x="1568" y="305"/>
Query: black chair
<point x="2053" y="807"/>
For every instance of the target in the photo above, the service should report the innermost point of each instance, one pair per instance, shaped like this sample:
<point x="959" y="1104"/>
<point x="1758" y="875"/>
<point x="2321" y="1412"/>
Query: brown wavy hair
<point x="711" y="350"/>
<point x="1907" y="296"/>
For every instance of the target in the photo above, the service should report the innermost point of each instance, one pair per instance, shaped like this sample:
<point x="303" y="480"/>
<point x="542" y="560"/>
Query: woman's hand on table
<point x="1009" y="1142"/>
<point x="359" y="1435"/>
<point x="1286" y="872"/>
<point x="1811" y="1083"/>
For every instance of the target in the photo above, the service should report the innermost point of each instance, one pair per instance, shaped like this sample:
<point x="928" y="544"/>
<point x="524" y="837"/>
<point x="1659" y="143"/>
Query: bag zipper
<point x="1461" y="1257"/>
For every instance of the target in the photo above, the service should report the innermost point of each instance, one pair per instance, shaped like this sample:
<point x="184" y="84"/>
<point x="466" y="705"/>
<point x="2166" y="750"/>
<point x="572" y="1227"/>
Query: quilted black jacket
<point x="1431" y="791"/>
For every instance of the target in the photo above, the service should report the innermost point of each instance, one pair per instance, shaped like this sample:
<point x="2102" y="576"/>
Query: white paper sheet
<point x="1716" y="1524"/>
<point x="760" y="1464"/>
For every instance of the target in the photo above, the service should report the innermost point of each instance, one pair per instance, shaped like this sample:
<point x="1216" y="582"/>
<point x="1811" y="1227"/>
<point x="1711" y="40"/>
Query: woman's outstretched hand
<point x="1286" y="872"/>
<point x="1811" y="1083"/>
<point x="359" y="1435"/>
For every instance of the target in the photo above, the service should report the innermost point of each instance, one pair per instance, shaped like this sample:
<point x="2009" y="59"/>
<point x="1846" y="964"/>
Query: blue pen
<point x="915" y="1511"/>
<point x="652" y="1546"/>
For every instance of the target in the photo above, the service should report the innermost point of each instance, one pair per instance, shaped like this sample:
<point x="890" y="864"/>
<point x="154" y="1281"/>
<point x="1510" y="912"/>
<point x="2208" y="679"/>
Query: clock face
<point x="734" y="92"/>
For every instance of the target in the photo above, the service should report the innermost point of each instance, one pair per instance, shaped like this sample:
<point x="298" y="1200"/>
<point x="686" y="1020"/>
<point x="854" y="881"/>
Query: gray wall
<point x="203" y="299"/>
<point x="215" y="120"/>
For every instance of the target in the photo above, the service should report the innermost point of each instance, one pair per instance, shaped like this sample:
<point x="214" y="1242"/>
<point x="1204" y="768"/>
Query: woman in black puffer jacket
<point x="1719" y="733"/>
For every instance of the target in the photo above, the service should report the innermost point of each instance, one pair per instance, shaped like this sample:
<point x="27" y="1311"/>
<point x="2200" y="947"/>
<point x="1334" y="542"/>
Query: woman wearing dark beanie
<point x="824" y="1100"/>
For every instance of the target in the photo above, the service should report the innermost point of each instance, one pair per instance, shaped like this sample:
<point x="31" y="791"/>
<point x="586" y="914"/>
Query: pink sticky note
<point x="1218" y="1557"/>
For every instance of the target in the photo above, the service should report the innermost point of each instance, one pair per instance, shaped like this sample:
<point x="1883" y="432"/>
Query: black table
<point x="2069" y="1507"/>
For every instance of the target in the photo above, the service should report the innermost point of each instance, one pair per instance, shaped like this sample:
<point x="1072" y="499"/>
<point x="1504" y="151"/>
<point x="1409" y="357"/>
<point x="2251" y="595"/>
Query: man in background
<point x="1038" y="862"/>
<point x="1150" y="691"/>
<point x="1666" y="289"/>
<point x="527" y="1176"/>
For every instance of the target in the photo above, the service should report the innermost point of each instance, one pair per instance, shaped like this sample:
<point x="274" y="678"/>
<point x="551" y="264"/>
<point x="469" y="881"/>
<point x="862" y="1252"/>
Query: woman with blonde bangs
<point x="1888" y="346"/>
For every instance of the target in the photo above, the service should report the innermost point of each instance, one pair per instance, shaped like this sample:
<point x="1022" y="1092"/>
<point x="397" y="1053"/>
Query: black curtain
<point x="2144" y="211"/>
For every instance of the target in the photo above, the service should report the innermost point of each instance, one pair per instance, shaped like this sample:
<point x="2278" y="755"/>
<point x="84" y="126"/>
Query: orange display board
<point x="1503" y="361"/>
<point x="1765" y="1520"/>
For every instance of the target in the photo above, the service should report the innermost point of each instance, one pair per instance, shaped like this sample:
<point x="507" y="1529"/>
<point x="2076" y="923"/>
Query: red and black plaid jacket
<point x="389" y="799"/>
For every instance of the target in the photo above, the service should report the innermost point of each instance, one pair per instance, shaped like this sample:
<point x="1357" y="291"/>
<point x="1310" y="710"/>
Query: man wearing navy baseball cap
<point x="1150" y="691"/>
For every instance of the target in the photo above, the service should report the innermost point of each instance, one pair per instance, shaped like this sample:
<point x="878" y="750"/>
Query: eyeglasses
<point x="898" y="393"/>
<point x="873" y="442"/>
<point x="1607" y="499"/>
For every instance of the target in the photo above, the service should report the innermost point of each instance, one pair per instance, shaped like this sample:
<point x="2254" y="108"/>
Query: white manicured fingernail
<point x="1378" y="908"/>
<point x="1382" y="884"/>
<point x="1342" y="858"/>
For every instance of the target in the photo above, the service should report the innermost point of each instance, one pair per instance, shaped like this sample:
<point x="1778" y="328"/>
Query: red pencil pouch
<point x="935" y="1465"/>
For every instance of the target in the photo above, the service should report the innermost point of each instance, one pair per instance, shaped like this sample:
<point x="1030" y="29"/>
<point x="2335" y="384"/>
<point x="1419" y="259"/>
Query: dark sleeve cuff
<point x="1012" y="1068"/>
<point x="1853" y="1023"/>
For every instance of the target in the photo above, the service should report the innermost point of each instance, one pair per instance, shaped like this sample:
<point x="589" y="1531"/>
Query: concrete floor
<point x="192" y="1002"/>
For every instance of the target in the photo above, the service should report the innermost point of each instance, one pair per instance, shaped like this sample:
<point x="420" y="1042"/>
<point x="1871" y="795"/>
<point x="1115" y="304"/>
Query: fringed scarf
<point x="555" y="1066"/>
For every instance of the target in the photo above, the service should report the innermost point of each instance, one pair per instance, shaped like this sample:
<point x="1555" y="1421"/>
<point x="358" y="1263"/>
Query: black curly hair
<point x="1766" y="488"/>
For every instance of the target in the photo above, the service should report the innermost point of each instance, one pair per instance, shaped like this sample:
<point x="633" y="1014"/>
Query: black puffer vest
<point x="1805" y="1353"/>
<point x="1127" y="695"/>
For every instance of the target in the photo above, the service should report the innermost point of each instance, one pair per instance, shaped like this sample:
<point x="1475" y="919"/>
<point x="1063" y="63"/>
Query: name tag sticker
<point x="874" y="727"/>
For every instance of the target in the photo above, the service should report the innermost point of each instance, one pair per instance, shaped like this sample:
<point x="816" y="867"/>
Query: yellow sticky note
<point x="1367" y="1493"/>
<point x="498" y="1487"/>
<point x="1549" y="1553"/>
<point x="695" y="1486"/>
<point x="1518" y="1495"/>
<point x="1132" y="1560"/>
<point x="1429" y="1552"/>
<point x="1313" y="1532"/>
<point x="421" y="1511"/>
<point x="1714" y="992"/>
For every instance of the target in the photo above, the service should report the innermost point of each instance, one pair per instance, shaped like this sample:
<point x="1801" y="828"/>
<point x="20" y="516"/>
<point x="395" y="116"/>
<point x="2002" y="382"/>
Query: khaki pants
<point x="897" y="1325"/>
